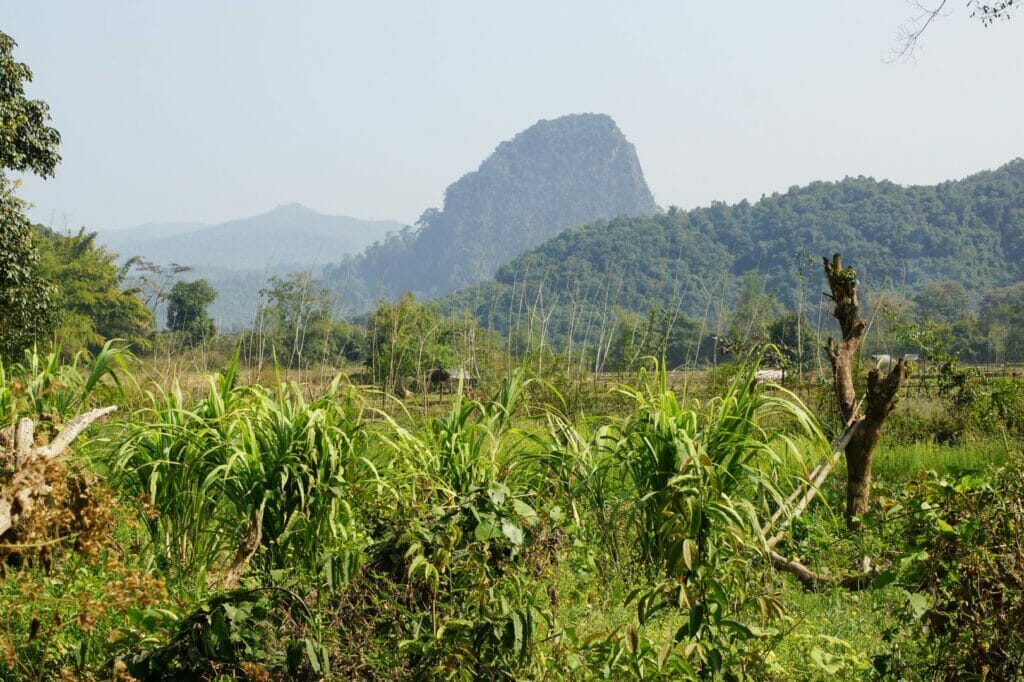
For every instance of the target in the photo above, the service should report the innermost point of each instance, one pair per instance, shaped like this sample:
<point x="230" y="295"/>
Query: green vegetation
<point x="27" y="144"/>
<point x="267" y="532"/>
<point x="62" y="289"/>
<point x="187" y="312"/>
<point x="25" y="312"/>
<point x="91" y="300"/>
<point x="968" y="554"/>
<point x="295" y="324"/>
<point x="468" y="504"/>
<point x="696" y="265"/>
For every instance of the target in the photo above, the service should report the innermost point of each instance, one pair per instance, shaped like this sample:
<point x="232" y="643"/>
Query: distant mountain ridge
<point x="554" y="175"/>
<point x="148" y="231"/>
<point x="896" y="237"/>
<point x="290" y="236"/>
<point x="239" y="256"/>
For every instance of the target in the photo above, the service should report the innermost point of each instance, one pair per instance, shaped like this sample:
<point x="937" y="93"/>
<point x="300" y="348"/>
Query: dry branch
<point x="26" y="487"/>
<point x="246" y="551"/>
<point x="811" y="580"/>
<point x="814" y="482"/>
<point x="72" y="431"/>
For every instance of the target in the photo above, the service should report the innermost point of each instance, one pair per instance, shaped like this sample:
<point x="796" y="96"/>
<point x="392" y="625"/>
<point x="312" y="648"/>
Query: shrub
<point x="964" y="575"/>
<point x="699" y="476"/>
<point x="466" y="539"/>
<point x="247" y="471"/>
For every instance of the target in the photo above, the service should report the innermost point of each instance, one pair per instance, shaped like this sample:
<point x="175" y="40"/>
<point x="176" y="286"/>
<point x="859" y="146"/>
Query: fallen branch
<point x="27" y="485"/>
<point x="811" y="580"/>
<point x="246" y="551"/>
<point x="814" y="483"/>
<point x="72" y="430"/>
<point x="815" y="480"/>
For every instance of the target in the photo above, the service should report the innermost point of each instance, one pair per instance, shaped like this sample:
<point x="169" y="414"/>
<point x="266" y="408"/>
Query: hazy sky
<point x="212" y="110"/>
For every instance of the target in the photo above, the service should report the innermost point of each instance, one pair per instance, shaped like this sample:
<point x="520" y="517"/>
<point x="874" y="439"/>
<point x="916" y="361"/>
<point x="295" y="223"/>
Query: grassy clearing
<point x="902" y="462"/>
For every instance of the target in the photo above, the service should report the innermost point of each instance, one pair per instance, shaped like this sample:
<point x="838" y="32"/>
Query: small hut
<point x="446" y="379"/>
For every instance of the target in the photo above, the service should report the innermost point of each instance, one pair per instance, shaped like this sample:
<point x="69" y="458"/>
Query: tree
<point x="405" y="340"/>
<point x="663" y="335"/>
<point x="92" y="303"/>
<point x="152" y="280"/>
<point x="1002" y="320"/>
<point x="945" y="302"/>
<point x="755" y="309"/>
<point x="25" y="310"/>
<point x="864" y="431"/>
<point x="297" y="321"/>
<point x="910" y="33"/>
<point x="27" y="144"/>
<point x="187" y="309"/>
<point x="793" y="336"/>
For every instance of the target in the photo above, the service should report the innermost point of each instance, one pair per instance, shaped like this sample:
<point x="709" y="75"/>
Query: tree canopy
<point x="909" y="241"/>
<point x="296" y="325"/>
<point x="27" y="144"/>
<point x="92" y="303"/>
<point x="187" y="309"/>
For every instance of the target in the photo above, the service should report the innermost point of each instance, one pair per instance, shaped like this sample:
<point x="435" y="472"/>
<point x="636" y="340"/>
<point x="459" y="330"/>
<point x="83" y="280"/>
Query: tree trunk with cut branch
<point x="878" y="404"/>
<point x="881" y="393"/>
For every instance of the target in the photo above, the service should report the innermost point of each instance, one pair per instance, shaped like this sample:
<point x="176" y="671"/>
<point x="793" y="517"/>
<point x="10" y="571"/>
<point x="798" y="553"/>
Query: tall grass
<point x="904" y="462"/>
<point x="466" y="533"/>
<point x="44" y="385"/>
<point x="247" y="462"/>
<point x="695" y="464"/>
<point x="432" y="543"/>
<point x="701" y="476"/>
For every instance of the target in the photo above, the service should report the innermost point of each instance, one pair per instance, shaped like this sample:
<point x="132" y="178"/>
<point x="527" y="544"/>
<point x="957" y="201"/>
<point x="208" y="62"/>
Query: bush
<point x="964" y="577"/>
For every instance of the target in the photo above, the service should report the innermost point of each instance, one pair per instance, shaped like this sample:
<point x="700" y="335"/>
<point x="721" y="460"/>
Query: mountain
<point x="290" y="237"/>
<point x="898" y="238"/>
<point x="552" y="176"/>
<point x="239" y="256"/>
<point x="126" y="239"/>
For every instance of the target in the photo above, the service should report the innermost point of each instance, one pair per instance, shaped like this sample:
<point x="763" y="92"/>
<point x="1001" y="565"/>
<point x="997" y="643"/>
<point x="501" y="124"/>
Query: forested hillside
<point x="554" y="175"/>
<point x="693" y="262"/>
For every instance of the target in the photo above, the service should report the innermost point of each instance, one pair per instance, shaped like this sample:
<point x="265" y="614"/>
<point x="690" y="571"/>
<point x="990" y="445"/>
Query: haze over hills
<point x="563" y="209"/>
<point x="552" y="176"/>
<point x="290" y="236"/>
<point x="897" y="238"/>
<point x="148" y="232"/>
<point x="239" y="256"/>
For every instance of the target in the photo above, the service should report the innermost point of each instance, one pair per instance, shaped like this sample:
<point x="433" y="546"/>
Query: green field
<point x="241" y="525"/>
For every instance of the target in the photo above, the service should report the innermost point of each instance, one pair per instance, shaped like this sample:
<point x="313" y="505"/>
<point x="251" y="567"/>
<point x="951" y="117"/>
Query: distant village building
<point x="885" y="362"/>
<point x="448" y="379"/>
<point x="882" y="361"/>
<point x="764" y="376"/>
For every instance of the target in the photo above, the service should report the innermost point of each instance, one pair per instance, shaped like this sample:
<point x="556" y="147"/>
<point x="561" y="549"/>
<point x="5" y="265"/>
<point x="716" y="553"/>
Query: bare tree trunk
<point x="878" y="404"/>
<point x="881" y="392"/>
<point x="843" y="283"/>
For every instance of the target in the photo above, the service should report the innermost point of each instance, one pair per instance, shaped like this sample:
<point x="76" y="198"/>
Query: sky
<point x="214" y="110"/>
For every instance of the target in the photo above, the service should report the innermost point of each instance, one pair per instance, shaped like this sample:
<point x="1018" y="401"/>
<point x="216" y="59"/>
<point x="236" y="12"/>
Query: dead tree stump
<point x="881" y="391"/>
<point x="24" y="481"/>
